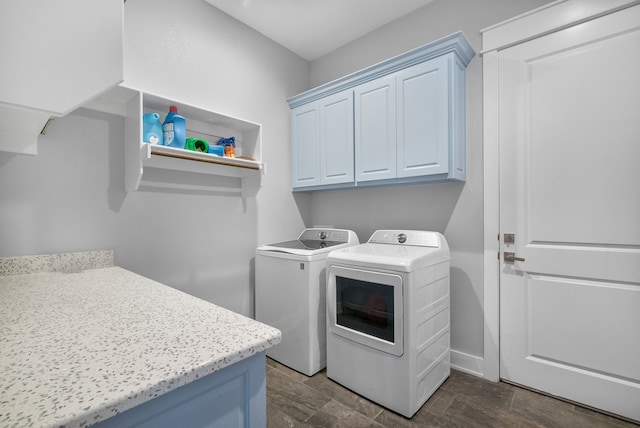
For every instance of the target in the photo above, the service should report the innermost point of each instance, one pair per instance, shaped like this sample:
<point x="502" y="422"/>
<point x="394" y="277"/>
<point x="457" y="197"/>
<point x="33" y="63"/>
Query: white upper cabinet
<point x="57" y="56"/>
<point x="407" y="121"/>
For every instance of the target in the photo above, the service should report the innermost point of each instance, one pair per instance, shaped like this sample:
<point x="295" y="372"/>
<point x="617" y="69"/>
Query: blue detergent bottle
<point x="173" y="129"/>
<point x="152" y="129"/>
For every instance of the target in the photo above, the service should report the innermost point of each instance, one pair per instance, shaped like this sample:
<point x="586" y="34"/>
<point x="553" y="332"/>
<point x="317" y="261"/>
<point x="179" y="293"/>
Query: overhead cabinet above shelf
<point x="190" y="170"/>
<point x="56" y="56"/>
<point x="399" y="121"/>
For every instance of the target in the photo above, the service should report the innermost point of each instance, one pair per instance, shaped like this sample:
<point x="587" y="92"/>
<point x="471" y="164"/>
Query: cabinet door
<point x="57" y="55"/>
<point x="336" y="138"/>
<point x="423" y="118"/>
<point x="375" y="129"/>
<point x="305" y="146"/>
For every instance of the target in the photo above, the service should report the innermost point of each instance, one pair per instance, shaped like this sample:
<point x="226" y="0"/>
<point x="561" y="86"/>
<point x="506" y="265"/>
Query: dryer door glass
<point x="366" y="307"/>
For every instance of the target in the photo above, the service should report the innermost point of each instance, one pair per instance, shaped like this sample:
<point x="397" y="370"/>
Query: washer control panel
<point x="333" y="235"/>
<point x="420" y="238"/>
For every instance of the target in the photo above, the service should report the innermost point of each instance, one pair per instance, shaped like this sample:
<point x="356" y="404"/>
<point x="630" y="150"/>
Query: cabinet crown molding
<point x="455" y="43"/>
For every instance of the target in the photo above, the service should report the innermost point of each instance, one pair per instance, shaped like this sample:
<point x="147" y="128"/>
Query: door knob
<point x="511" y="257"/>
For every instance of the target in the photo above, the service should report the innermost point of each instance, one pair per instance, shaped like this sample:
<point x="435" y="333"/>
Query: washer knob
<point x="323" y="235"/>
<point x="402" y="238"/>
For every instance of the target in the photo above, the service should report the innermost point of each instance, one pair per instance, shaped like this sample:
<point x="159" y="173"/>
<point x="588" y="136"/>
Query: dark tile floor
<point x="295" y="400"/>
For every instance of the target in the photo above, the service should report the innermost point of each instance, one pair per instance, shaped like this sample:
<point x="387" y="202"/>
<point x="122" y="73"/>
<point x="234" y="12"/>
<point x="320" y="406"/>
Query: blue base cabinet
<point x="234" y="396"/>
<point x="407" y="122"/>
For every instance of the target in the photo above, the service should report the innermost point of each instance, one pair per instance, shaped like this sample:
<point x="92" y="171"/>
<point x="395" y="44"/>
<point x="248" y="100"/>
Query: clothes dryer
<point x="388" y="317"/>
<point x="290" y="280"/>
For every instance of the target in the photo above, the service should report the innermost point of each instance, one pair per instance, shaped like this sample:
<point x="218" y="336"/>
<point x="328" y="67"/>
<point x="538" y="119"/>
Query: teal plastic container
<point x="152" y="129"/>
<point x="174" y="129"/>
<point x="216" y="150"/>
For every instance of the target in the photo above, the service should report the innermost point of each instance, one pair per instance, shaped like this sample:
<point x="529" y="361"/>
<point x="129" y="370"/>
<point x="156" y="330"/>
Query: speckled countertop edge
<point x="63" y="262"/>
<point x="78" y="348"/>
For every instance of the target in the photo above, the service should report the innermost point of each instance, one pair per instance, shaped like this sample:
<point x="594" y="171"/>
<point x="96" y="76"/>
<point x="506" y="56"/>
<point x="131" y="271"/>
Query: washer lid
<point x="305" y="244"/>
<point x="314" y="241"/>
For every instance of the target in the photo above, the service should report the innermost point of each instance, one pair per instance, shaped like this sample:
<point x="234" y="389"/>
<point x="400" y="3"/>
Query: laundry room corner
<point x="453" y="209"/>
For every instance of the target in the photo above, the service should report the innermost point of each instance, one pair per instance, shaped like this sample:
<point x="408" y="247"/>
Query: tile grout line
<point x="378" y="414"/>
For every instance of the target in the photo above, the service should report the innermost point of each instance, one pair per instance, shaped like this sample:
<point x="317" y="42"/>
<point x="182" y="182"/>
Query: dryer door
<point x="366" y="307"/>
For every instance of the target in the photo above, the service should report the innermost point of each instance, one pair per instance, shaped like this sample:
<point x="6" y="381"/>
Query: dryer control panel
<point x="420" y="238"/>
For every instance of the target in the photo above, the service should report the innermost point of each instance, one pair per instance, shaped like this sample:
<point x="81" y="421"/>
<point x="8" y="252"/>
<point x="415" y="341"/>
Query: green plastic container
<point x="197" y="145"/>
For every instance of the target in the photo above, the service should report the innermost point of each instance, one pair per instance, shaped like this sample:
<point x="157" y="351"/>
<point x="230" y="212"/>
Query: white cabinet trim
<point x="547" y="19"/>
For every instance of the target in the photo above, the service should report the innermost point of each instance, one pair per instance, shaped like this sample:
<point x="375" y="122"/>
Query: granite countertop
<point x="79" y="347"/>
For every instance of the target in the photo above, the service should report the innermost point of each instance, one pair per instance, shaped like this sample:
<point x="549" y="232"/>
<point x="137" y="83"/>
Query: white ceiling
<point x="313" y="28"/>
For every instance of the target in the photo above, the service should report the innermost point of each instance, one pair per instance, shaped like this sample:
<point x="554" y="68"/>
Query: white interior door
<point x="569" y="132"/>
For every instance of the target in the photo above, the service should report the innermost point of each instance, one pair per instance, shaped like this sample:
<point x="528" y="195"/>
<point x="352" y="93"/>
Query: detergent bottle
<point x="173" y="129"/>
<point x="151" y="129"/>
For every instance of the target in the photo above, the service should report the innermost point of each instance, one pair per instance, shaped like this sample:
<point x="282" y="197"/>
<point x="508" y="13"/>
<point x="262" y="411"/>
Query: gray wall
<point x="454" y="209"/>
<point x="71" y="196"/>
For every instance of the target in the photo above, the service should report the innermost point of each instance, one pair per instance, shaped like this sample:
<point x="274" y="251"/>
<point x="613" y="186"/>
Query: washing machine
<point x="290" y="285"/>
<point x="388" y="317"/>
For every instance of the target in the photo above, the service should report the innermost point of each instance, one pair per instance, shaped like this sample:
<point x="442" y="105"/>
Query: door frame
<point x="555" y="16"/>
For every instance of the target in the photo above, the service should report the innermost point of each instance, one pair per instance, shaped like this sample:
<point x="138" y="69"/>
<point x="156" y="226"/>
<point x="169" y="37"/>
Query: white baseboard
<point x="467" y="363"/>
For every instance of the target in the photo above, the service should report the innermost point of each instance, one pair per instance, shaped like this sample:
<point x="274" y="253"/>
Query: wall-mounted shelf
<point x="173" y="152"/>
<point x="145" y="163"/>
